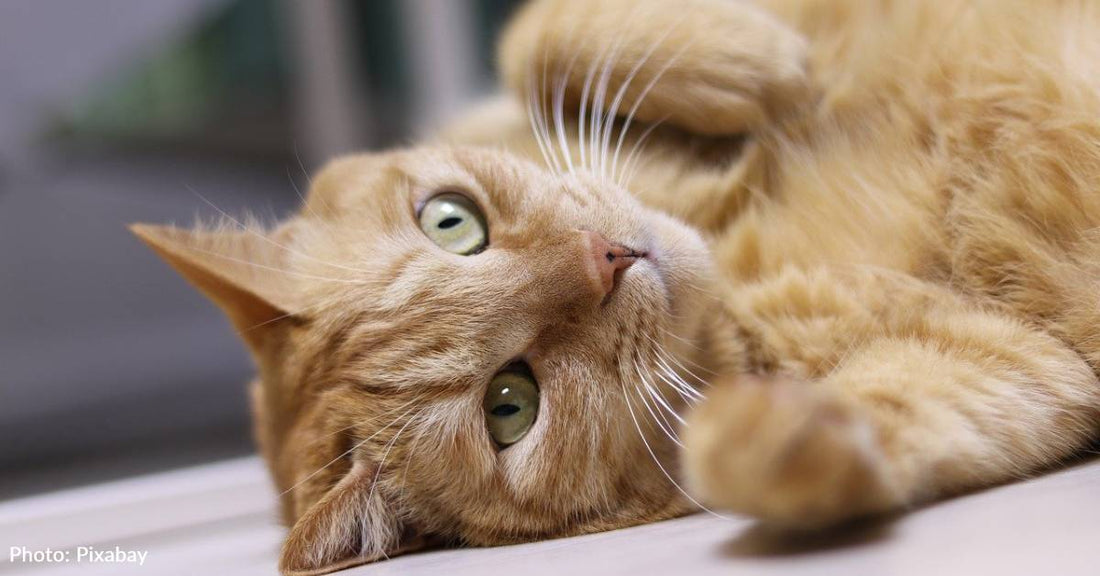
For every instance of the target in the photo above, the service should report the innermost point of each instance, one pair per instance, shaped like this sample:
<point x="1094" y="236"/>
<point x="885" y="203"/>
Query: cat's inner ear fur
<point x="243" y="272"/>
<point x="350" y="525"/>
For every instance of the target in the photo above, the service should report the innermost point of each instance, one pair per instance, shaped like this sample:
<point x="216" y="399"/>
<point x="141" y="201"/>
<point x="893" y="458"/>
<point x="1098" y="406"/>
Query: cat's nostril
<point x="606" y="260"/>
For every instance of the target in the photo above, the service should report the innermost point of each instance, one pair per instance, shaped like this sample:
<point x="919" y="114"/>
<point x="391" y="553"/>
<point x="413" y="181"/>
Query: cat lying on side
<point x="806" y="260"/>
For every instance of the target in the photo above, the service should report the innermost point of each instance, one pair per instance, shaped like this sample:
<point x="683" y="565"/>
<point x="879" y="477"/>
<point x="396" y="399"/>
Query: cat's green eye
<point x="454" y="223"/>
<point x="511" y="404"/>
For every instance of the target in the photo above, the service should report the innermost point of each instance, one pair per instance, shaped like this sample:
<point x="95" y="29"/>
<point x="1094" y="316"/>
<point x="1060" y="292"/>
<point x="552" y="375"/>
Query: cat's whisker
<point x="381" y="464"/>
<point x="598" y="97"/>
<point x="267" y="239"/>
<point x="681" y="362"/>
<point x="585" y="91"/>
<point x="599" y="111"/>
<point x="345" y="453"/>
<point x="702" y="381"/>
<point x="543" y="113"/>
<point x="273" y="269"/>
<point x="559" y="113"/>
<point x="677" y="383"/>
<point x="621" y="93"/>
<point x="669" y="357"/>
<point x="677" y="387"/>
<point x="327" y="225"/>
<point x="629" y="119"/>
<point x="534" y="116"/>
<point x="658" y="417"/>
<point x="656" y="460"/>
<point x="385" y="414"/>
<point x="659" y="397"/>
<point x="309" y="180"/>
<point x="639" y="147"/>
<point x="412" y="450"/>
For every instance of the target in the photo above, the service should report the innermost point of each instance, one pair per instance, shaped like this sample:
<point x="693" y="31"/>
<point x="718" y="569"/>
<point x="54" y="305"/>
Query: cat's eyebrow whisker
<point x="385" y="414"/>
<point x="265" y="238"/>
<point x="412" y="450"/>
<point x="301" y="164"/>
<point x="274" y="269"/>
<point x="345" y="453"/>
<point x="328" y="226"/>
<point x="653" y="455"/>
<point x="381" y="464"/>
<point x="309" y="180"/>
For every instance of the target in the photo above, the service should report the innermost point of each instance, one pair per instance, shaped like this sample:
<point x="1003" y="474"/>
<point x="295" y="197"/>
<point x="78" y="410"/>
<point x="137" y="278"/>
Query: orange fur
<point x="884" y="212"/>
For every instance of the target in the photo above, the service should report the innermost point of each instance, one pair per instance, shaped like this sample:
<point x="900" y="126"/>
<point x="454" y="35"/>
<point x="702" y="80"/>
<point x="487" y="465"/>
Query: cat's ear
<point x="349" y="526"/>
<point x="244" y="273"/>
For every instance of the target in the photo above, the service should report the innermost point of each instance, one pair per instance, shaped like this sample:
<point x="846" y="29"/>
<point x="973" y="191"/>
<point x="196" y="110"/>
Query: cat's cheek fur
<point x="351" y="525"/>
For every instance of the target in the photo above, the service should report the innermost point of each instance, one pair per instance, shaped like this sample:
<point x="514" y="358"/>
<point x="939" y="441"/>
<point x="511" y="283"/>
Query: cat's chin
<point x="682" y="262"/>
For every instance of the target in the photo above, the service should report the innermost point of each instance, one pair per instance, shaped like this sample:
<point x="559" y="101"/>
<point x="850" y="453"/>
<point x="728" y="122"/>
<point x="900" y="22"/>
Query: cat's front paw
<point x="786" y="452"/>
<point x="708" y="66"/>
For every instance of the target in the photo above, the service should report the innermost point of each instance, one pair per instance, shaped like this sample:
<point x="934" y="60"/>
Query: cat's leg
<point x="946" y="402"/>
<point x="711" y="67"/>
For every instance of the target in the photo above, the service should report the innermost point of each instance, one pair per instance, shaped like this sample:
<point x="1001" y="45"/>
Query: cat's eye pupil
<point x="505" y="410"/>
<point x="450" y="222"/>
<point x="511" y="404"/>
<point x="454" y="223"/>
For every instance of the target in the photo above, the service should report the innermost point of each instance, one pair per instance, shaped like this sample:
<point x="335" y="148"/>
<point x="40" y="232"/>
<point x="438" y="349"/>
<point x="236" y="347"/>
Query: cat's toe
<point x="785" y="452"/>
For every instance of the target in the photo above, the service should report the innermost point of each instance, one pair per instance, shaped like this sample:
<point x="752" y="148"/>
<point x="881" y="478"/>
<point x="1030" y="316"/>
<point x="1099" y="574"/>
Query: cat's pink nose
<point x="605" y="260"/>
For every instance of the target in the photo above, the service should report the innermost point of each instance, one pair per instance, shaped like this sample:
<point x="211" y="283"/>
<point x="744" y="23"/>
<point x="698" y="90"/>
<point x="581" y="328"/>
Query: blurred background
<point x="116" y="111"/>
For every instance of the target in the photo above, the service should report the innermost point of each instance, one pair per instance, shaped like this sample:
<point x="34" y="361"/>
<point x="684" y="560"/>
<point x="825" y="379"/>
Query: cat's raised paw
<point x="707" y="66"/>
<point x="786" y="452"/>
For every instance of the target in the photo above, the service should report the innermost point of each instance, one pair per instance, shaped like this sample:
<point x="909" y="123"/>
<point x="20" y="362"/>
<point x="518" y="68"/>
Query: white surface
<point x="219" y="519"/>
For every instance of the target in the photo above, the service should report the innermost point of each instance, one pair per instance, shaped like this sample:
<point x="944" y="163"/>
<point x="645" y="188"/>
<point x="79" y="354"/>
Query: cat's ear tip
<point x="149" y="233"/>
<point x="140" y="229"/>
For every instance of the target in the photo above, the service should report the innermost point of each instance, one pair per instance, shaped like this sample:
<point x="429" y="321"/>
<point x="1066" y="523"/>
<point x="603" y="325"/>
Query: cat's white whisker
<point x="381" y="464"/>
<point x="656" y="460"/>
<point x="297" y="192"/>
<point x="639" y="146"/>
<point x="348" y="451"/>
<point x="533" y="116"/>
<point x="669" y="357"/>
<point x="597" y="116"/>
<point x="267" y="239"/>
<point x="412" y="450"/>
<point x="559" y="113"/>
<point x="658" y="417"/>
<point x="659" y="397"/>
<point x="543" y="115"/>
<point x="617" y="101"/>
<point x="641" y="96"/>
<point x="676" y="382"/>
<point x="273" y="269"/>
<point x="585" y="91"/>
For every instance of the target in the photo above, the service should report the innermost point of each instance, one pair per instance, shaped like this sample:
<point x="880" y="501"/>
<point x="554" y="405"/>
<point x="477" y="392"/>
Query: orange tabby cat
<point x="817" y="258"/>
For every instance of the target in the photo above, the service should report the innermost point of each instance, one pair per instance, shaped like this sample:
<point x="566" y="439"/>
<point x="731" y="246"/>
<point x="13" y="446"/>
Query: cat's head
<point x="455" y="344"/>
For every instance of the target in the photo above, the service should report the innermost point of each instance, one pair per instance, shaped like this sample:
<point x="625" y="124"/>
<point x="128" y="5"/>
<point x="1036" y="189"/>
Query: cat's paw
<point x="787" y="453"/>
<point x="710" y="66"/>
